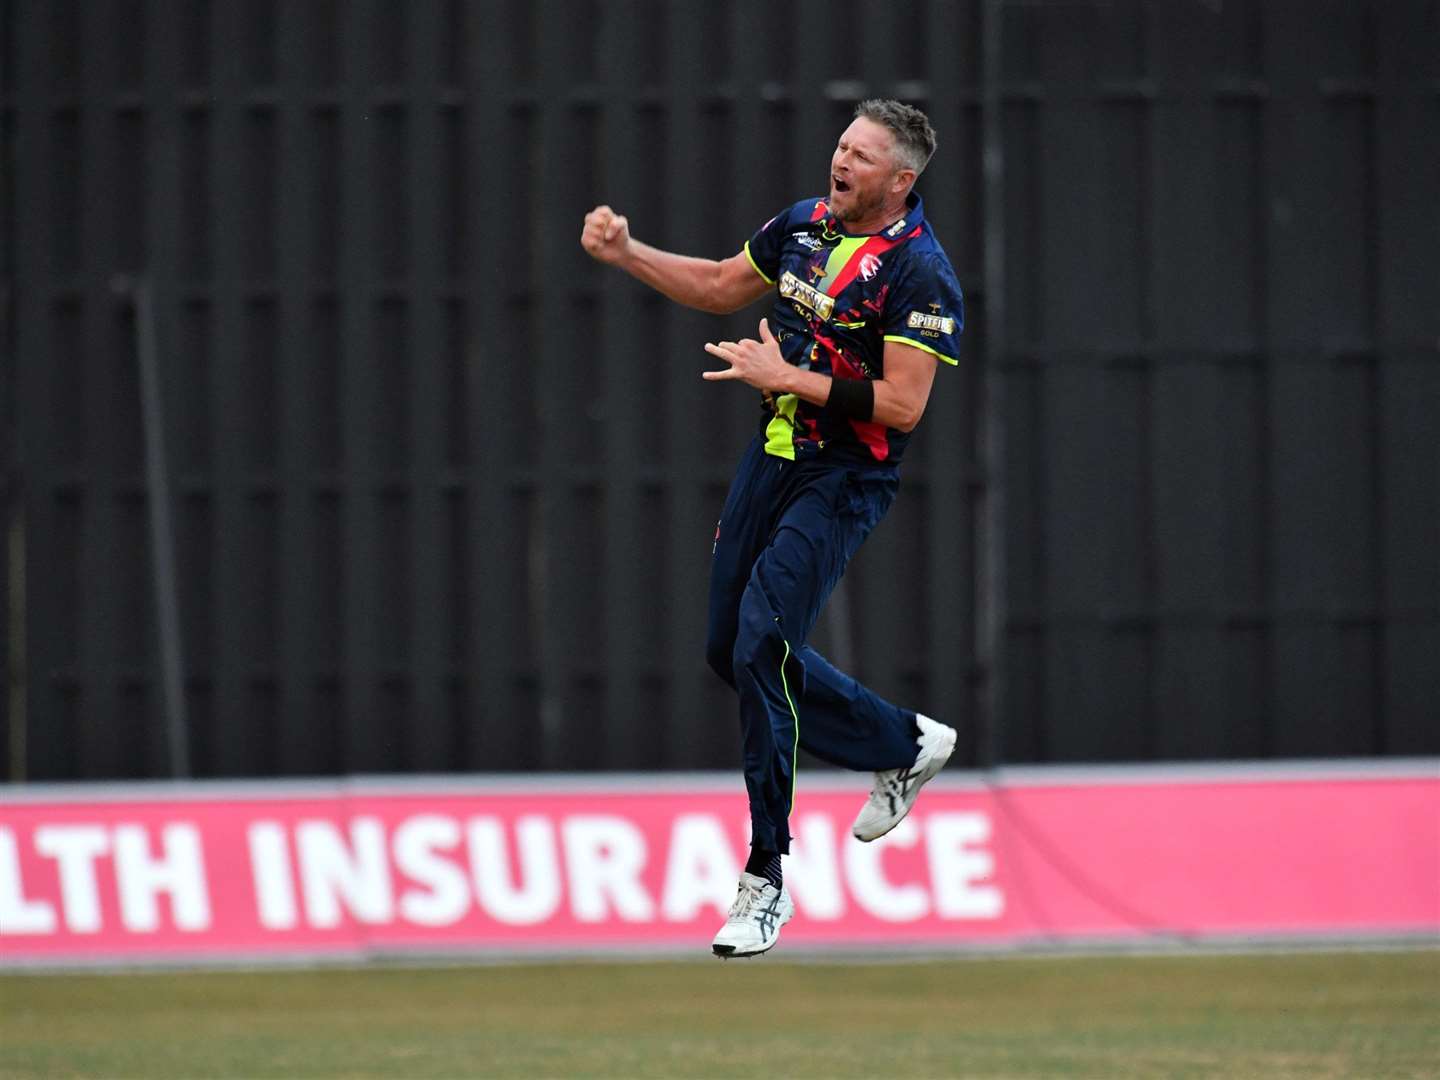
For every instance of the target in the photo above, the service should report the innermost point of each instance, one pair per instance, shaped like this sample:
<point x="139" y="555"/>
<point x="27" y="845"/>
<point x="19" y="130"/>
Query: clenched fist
<point x="606" y="235"/>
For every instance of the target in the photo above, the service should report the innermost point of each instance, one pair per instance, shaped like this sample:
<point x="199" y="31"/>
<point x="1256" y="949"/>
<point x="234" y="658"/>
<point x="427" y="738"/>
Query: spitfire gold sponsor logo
<point x="935" y="324"/>
<point x="792" y="288"/>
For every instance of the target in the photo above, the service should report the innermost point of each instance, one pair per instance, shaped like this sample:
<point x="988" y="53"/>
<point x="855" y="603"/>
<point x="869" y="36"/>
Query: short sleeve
<point x="765" y="247"/>
<point x="926" y="309"/>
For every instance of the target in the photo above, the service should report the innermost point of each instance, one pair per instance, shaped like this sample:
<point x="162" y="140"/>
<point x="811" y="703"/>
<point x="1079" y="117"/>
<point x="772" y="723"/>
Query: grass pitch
<point x="1371" y="1015"/>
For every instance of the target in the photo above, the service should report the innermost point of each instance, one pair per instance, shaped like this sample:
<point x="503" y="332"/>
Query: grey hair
<point x="914" y="137"/>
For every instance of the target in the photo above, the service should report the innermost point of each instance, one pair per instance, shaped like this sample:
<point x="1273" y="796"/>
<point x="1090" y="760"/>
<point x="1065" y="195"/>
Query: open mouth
<point x="840" y="185"/>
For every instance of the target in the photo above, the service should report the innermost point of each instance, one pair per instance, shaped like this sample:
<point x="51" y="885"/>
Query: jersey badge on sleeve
<point x="932" y="325"/>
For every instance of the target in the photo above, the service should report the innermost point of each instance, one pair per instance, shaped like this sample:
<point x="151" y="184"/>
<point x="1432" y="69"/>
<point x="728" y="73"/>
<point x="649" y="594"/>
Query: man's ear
<point x="904" y="180"/>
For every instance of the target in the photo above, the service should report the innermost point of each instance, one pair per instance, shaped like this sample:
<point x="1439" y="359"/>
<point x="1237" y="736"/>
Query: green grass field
<point x="1308" y="1015"/>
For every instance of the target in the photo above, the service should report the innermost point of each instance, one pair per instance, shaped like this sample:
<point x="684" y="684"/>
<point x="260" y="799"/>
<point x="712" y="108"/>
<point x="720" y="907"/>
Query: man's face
<point x="862" y="170"/>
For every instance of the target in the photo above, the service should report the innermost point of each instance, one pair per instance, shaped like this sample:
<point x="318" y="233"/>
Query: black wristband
<point x="852" y="398"/>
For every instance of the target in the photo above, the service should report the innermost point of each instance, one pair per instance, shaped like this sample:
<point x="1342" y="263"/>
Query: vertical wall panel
<point x="1077" y="488"/>
<point x="949" y="450"/>
<point x="1410" y="678"/>
<point x="625" y="599"/>
<point x="29" y="325"/>
<point x="100" y="372"/>
<point x="302" y="400"/>
<point x="1408" y="175"/>
<point x="235" y="750"/>
<point x="1188" y="553"/>
<point x="489" y="526"/>
<point x="367" y="745"/>
<point x="12" y="637"/>
<point x="1194" y="307"/>
<point x="565" y="174"/>
<point x="695" y="734"/>
<point x="429" y="726"/>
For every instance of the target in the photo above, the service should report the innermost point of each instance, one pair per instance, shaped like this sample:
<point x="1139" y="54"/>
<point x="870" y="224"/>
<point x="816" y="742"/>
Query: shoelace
<point x="744" y="902"/>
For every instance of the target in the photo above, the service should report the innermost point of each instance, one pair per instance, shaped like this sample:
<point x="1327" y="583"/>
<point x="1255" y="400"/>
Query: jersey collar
<point x="914" y="215"/>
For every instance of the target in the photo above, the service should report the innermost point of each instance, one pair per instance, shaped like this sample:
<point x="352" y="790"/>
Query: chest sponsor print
<point x="807" y="296"/>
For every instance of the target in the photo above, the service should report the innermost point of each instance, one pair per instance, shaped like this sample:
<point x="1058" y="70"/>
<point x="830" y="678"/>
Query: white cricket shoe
<point x="895" y="790"/>
<point x="756" y="916"/>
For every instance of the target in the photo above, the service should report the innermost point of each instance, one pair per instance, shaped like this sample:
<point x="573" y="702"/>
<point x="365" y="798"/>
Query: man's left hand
<point x="756" y="363"/>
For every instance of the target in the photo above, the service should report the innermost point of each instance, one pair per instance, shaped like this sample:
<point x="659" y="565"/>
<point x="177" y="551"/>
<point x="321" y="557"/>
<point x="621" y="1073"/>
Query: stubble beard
<point x="860" y="208"/>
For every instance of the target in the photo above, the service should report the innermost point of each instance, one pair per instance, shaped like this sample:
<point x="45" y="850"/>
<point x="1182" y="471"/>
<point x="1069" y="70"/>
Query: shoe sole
<point x="727" y="952"/>
<point x="932" y="770"/>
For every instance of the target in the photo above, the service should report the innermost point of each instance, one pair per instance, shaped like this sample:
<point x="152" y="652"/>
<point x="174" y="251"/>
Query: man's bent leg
<point x="845" y="723"/>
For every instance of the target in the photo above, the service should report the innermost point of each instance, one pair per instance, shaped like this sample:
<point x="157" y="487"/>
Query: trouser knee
<point x="758" y="642"/>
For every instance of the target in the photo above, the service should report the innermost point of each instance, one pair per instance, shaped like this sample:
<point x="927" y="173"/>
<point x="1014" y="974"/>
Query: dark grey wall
<point x="444" y="490"/>
<point x="1223" y="382"/>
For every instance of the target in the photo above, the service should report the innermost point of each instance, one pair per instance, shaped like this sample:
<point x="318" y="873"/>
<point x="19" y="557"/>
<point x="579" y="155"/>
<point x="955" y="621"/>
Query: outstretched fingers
<point x="725" y="350"/>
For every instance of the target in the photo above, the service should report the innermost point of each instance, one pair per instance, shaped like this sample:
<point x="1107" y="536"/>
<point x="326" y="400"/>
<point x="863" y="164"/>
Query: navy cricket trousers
<point x="785" y="535"/>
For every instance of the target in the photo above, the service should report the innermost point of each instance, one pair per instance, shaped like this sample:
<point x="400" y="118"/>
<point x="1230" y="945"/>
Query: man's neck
<point x="881" y="219"/>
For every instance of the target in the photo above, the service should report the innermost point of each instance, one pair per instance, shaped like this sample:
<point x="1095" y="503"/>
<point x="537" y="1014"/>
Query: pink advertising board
<point x="571" y="863"/>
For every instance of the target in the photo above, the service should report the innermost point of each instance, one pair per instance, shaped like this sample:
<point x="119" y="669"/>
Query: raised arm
<point x="705" y="284"/>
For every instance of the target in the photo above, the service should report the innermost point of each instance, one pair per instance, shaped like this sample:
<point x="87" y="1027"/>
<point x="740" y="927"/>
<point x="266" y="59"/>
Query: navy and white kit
<point x="809" y="489"/>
